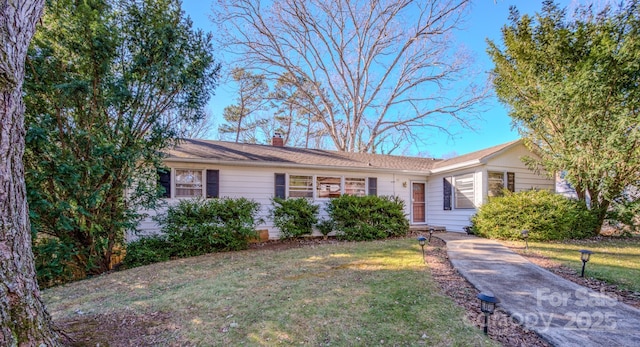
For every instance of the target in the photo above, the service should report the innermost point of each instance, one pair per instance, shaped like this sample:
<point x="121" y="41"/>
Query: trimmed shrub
<point x="368" y="217"/>
<point x="547" y="216"/>
<point x="195" y="227"/>
<point x="326" y="226"/>
<point x="198" y="226"/>
<point x="147" y="250"/>
<point x="294" y="217"/>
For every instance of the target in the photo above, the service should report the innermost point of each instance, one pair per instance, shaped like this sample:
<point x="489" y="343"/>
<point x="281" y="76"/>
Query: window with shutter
<point x="188" y="183"/>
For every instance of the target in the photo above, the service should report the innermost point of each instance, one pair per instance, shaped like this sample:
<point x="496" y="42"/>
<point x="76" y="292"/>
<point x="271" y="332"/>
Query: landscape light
<point x="525" y="236"/>
<point x="487" y="306"/>
<point x="422" y="240"/>
<point x="584" y="256"/>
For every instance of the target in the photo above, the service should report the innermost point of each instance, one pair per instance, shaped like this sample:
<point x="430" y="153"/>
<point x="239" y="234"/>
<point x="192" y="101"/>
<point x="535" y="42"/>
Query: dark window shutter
<point x="511" y="181"/>
<point x="280" y="186"/>
<point x="446" y="190"/>
<point x="373" y="186"/>
<point x="213" y="183"/>
<point x="164" y="180"/>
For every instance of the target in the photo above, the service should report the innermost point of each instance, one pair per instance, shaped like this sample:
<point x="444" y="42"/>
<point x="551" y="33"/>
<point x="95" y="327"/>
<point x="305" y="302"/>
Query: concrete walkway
<point x="562" y="312"/>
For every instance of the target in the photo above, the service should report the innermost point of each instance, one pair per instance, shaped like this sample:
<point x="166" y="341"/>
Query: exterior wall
<point x="509" y="161"/>
<point x="454" y="219"/>
<point x="525" y="179"/>
<point x="257" y="183"/>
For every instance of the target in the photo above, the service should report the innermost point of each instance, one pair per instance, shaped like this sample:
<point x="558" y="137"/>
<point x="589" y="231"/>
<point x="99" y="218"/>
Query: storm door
<point x="418" y="202"/>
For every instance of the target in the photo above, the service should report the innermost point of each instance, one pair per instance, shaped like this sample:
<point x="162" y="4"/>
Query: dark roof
<point x="221" y="151"/>
<point x="241" y="153"/>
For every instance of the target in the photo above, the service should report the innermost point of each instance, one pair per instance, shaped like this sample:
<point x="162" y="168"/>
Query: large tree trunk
<point x="23" y="318"/>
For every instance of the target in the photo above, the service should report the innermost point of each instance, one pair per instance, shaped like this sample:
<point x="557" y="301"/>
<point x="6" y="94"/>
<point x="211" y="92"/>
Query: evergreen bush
<point x="294" y="217"/>
<point x="326" y="226"/>
<point x="368" y="217"/>
<point x="147" y="250"/>
<point x="198" y="226"/>
<point x="547" y="216"/>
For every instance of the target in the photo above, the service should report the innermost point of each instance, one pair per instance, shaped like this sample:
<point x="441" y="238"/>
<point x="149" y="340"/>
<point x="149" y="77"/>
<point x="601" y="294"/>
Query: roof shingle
<point x="232" y="152"/>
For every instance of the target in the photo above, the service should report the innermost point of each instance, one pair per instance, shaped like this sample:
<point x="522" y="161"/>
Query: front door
<point x="418" y="202"/>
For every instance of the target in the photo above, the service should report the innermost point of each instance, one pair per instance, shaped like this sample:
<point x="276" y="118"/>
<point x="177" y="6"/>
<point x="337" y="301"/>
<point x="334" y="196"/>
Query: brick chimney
<point x="277" y="140"/>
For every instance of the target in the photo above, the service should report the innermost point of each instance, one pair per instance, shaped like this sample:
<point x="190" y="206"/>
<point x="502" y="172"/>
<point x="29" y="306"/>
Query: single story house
<point x="438" y="193"/>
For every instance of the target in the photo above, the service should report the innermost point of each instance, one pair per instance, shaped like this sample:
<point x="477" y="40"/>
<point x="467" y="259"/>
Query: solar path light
<point x="430" y="233"/>
<point x="487" y="306"/>
<point x="421" y="241"/>
<point x="525" y="236"/>
<point x="584" y="256"/>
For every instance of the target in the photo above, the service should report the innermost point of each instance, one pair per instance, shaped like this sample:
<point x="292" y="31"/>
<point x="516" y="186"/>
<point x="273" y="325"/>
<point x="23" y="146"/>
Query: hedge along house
<point x="438" y="193"/>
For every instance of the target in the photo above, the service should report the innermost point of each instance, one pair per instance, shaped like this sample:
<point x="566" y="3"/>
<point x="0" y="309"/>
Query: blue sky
<point x="485" y="20"/>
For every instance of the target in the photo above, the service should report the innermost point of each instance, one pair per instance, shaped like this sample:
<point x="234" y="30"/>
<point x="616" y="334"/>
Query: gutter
<point x="294" y="165"/>
<point x="463" y="165"/>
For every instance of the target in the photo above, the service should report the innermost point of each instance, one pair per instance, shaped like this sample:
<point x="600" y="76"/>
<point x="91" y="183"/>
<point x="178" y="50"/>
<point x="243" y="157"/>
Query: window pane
<point x="328" y="187"/>
<point x="496" y="183"/>
<point x="300" y="186"/>
<point x="464" y="191"/>
<point x="355" y="186"/>
<point x="188" y="183"/>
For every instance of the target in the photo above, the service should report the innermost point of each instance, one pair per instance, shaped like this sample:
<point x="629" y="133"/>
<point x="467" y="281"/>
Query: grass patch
<point x="615" y="260"/>
<point x="345" y="294"/>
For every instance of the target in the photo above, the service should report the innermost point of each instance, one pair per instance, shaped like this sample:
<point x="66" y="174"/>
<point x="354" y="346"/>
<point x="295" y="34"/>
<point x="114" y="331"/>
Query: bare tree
<point x="376" y="67"/>
<point x="23" y="318"/>
<point x="202" y="129"/>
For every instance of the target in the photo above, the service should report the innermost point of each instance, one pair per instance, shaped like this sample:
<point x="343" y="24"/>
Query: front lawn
<point x="342" y="294"/>
<point x="614" y="260"/>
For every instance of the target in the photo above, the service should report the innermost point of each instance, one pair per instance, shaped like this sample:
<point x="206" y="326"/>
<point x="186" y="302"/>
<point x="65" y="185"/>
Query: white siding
<point x="257" y="183"/>
<point x="525" y="179"/>
<point x="454" y="219"/>
<point x="509" y="161"/>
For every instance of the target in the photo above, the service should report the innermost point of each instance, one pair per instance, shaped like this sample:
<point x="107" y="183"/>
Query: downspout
<point x="394" y="184"/>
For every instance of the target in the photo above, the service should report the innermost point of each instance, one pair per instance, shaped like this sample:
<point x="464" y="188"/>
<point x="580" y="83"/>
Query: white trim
<point x="174" y="189"/>
<point x="314" y="178"/>
<point x="463" y="165"/>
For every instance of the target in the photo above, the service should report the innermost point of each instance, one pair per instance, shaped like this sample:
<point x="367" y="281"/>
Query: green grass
<point x="345" y="294"/>
<point x="614" y="260"/>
